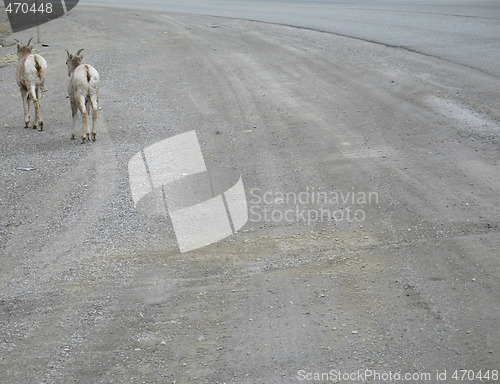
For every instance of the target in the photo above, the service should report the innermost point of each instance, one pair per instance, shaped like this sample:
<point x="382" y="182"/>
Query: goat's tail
<point x="40" y="70"/>
<point x="89" y="76"/>
<point x="39" y="67"/>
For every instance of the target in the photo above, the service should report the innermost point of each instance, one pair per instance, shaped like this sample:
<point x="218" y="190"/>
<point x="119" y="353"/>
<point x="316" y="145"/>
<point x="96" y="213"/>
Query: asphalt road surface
<point x="371" y="176"/>
<point x="459" y="31"/>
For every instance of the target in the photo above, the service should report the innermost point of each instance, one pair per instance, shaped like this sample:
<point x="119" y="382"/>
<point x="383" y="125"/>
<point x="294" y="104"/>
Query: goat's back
<point x="84" y="80"/>
<point x="31" y="70"/>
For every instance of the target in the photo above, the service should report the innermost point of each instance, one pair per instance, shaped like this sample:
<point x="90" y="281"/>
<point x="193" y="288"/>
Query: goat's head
<point x="73" y="61"/>
<point x="24" y="50"/>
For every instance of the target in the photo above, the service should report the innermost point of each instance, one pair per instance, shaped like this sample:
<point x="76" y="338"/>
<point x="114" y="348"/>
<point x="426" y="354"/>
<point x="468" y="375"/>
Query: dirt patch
<point x="8" y="59"/>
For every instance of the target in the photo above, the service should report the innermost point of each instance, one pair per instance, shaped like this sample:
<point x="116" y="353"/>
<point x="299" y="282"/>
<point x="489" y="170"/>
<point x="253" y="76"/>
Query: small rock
<point x="26" y="169"/>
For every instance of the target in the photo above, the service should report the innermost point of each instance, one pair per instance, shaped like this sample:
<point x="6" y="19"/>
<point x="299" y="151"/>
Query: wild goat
<point x="83" y="91"/>
<point x="30" y="77"/>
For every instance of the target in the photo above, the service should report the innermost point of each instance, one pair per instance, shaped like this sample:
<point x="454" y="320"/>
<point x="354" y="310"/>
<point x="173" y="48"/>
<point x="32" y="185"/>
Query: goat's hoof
<point x="40" y="127"/>
<point x="94" y="136"/>
<point x="84" y="139"/>
<point x="72" y="137"/>
<point x="26" y="125"/>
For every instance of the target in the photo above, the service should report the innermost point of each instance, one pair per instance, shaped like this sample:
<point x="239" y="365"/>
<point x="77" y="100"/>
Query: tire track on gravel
<point x="91" y="178"/>
<point x="47" y="299"/>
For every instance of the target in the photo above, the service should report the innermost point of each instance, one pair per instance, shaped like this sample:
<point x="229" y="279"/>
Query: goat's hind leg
<point x="74" y="115"/>
<point x="26" y="106"/>
<point x="36" y="101"/>
<point x="85" y="127"/>
<point x="39" y="93"/>
<point x="93" y="102"/>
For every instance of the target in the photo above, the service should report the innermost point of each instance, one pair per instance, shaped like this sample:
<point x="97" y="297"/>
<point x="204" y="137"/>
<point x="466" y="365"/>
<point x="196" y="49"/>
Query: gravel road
<point x="398" y="277"/>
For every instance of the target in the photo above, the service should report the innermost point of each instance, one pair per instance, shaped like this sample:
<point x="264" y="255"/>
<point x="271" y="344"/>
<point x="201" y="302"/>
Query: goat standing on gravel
<point x="83" y="91"/>
<point x="30" y="77"/>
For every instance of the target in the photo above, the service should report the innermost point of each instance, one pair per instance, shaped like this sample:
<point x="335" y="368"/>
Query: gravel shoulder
<point x="94" y="291"/>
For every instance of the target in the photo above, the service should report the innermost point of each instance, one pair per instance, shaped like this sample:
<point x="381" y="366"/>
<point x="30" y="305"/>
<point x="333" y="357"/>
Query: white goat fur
<point x="83" y="91"/>
<point x="30" y="76"/>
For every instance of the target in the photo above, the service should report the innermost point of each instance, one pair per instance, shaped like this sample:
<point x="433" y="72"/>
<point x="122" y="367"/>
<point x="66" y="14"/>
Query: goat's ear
<point x="18" y="46"/>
